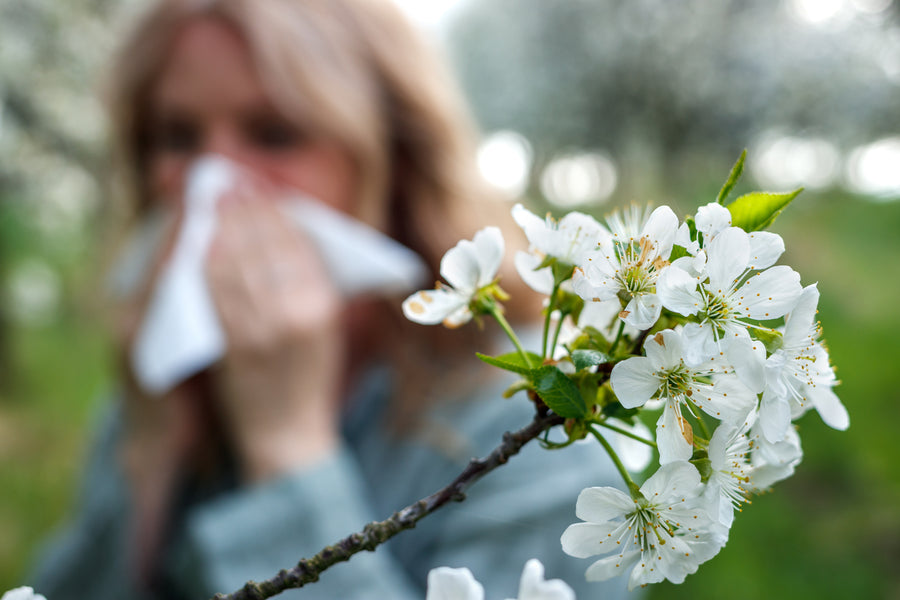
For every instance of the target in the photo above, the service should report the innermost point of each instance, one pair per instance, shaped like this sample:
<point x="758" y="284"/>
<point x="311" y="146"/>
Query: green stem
<point x="632" y="486"/>
<point x="550" y="307"/>
<point x="615" y="344"/>
<point x="556" y="334"/>
<point x="627" y="433"/>
<point x="504" y="324"/>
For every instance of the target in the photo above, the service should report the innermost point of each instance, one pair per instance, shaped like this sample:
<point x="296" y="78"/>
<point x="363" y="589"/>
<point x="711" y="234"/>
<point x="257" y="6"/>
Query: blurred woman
<point x="326" y="412"/>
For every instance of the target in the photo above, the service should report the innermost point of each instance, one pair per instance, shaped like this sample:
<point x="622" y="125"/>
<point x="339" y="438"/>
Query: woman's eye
<point x="273" y="134"/>
<point x="176" y="136"/>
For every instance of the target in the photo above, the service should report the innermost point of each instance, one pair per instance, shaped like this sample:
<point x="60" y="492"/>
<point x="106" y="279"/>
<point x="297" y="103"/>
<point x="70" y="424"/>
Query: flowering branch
<point x="715" y="331"/>
<point x="378" y="532"/>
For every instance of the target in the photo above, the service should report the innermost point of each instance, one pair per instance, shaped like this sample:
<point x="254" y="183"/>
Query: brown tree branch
<point x="378" y="532"/>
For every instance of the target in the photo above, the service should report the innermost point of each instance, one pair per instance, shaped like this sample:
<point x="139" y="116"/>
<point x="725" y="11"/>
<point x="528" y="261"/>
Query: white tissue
<point x="181" y="333"/>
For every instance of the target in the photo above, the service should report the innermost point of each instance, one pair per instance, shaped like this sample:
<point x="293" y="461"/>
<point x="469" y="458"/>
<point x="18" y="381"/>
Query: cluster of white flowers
<point x="445" y="583"/>
<point x="694" y="318"/>
<point x="22" y="593"/>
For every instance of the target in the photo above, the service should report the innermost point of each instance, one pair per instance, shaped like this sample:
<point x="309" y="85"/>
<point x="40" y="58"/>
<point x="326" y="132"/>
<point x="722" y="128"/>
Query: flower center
<point x="635" y="279"/>
<point x="676" y="381"/>
<point x="717" y="310"/>
<point x="649" y="528"/>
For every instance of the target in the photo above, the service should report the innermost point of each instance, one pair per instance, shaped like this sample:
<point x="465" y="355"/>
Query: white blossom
<point x="663" y="373"/>
<point x="799" y="376"/>
<point x="627" y="269"/>
<point x="626" y="225"/>
<point x="445" y="583"/>
<point x="468" y="267"/>
<point x="711" y="220"/>
<point x="726" y="297"/>
<point x="22" y="593"/>
<point x="663" y="534"/>
<point x="772" y="462"/>
<point x="567" y="240"/>
<point x="533" y="586"/>
<point x="729" y="481"/>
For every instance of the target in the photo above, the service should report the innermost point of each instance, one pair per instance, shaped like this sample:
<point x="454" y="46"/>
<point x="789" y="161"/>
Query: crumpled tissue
<point x="180" y="333"/>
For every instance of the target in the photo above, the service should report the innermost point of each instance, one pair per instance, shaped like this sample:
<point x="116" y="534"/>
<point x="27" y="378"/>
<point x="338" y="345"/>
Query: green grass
<point x="45" y="412"/>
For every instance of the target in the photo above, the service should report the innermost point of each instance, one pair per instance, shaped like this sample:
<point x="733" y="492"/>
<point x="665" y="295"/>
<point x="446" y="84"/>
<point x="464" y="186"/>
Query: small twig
<point x="378" y="532"/>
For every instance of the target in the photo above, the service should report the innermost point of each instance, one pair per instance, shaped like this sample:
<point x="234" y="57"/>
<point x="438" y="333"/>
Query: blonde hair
<point x="354" y="71"/>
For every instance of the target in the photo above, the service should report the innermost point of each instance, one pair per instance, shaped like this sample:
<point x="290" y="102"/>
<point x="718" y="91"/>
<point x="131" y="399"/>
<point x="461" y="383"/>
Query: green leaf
<point x="677" y="252"/>
<point x="519" y="386"/>
<point x="771" y="338"/>
<point x="558" y="392"/>
<point x="736" y="171"/>
<point x="588" y="358"/>
<point x="561" y="271"/>
<point x="569" y="304"/>
<point x="548" y="261"/>
<point x="757" y="210"/>
<point x="512" y="362"/>
<point x="703" y="464"/>
<point x="595" y="338"/>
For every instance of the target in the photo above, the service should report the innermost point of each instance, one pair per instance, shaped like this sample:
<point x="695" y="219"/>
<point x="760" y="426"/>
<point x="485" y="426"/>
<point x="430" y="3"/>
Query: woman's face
<point x="209" y="98"/>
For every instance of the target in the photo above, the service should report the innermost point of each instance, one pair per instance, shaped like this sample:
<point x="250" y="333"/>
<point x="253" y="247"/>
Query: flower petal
<point x="582" y="540"/>
<point x="533" y="586"/>
<point x="748" y="357"/>
<point x="600" y="504"/>
<point x="770" y="294"/>
<point x="800" y="321"/>
<point x="830" y="408"/>
<point x="727" y="258"/>
<point x="541" y="280"/>
<point x="677" y="290"/>
<point x="670" y="438"/>
<point x="533" y="226"/>
<point x="578" y="234"/>
<point x="672" y="482"/>
<point x="445" y="583"/>
<point x="664" y="349"/>
<point x="489" y="248"/>
<point x="699" y="343"/>
<point x="633" y="381"/>
<point x="611" y="566"/>
<point x="774" y="417"/>
<point x="460" y="267"/>
<point x="712" y="219"/>
<point x="727" y="399"/>
<point x="765" y="249"/>
<point x="661" y="228"/>
<point x="643" y="311"/>
<point x="430" y="307"/>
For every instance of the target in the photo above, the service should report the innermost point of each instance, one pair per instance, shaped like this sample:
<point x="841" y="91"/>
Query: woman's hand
<point x="279" y="383"/>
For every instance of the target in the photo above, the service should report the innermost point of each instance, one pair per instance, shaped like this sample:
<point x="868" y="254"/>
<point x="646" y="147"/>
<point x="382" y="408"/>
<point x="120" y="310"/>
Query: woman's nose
<point x="225" y="141"/>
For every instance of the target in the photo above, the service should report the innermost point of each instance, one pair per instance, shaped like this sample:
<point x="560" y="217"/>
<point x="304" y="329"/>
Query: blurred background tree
<point x="586" y="104"/>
